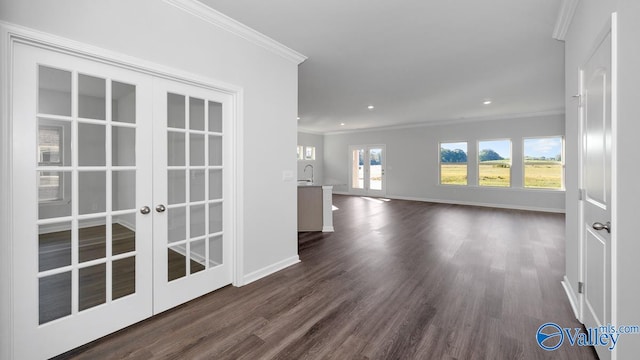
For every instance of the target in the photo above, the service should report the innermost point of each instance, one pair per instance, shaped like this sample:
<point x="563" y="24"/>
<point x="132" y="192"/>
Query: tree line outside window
<point x="542" y="162"/>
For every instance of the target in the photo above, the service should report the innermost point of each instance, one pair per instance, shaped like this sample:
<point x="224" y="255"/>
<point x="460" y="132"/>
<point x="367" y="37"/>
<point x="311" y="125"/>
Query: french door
<point x="367" y="170"/>
<point x="120" y="198"/>
<point x="192" y="249"/>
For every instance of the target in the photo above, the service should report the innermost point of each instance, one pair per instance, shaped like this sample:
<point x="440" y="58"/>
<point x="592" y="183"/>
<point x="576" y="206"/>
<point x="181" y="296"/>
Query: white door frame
<point x="9" y="36"/>
<point x="610" y="27"/>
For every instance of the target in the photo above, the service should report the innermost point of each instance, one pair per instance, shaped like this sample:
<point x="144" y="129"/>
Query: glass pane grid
<point x="85" y="280"/>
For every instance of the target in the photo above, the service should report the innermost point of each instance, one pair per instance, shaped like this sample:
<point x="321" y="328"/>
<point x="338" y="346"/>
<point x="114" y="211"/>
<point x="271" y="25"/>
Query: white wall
<point x="590" y="18"/>
<point x="307" y="139"/>
<point x="413" y="154"/>
<point x="155" y="31"/>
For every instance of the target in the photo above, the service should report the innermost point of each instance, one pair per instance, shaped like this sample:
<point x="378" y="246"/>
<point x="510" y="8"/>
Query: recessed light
<point x="341" y="124"/>
<point x="370" y="107"/>
<point x="298" y="117"/>
<point x="487" y="102"/>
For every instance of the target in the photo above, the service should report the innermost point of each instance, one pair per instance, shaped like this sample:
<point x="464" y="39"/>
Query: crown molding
<point x="565" y="15"/>
<point x="557" y="112"/>
<point x="230" y="25"/>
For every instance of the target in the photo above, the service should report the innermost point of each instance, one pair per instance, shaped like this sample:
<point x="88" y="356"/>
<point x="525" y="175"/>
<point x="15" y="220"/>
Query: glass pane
<point x="494" y="163"/>
<point x="54" y="143"/>
<point x="196" y="114"/>
<point x="177" y="224"/>
<point x="300" y="152"/>
<point x="215" y="184"/>
<point x="91" y="97"/>
<point x="196" y="155"/>
<point x="124" y="277"/>
<point x="123" y="233"/>
<point x="55" y="297"/>
<point x="54" y="247"/>
<point x="54" y="194"/>
<point x="91" y="192"/>
<point x="175" y="111"/>
<point x="176" y="263"/>
<point x="123" y="102"/>
<point x="198" y="256"/>
<point x="92" y="286"/>
<point x="123" y="149"/>
<point x="543" y="163"/>
<point x="375" y="169"/>
<point x="215" y="218"/>
<point x="309" y="152"/>
<point x="215" y="117"/>
<point x="92" y="239"/>
<point x="215" y="150"/>
<point x="175" y="145"/>
<point x="177" y="186"/>
<point x="197" y="223"/>
<point x="91" y="145"/>
<point x="124" y="190"/>
<point x="54" y="91"/>
<point x="215" y="251"/>
<point x="196" y="181"/>
<point x="453" y="163"/>
<point x="357" y="171"/>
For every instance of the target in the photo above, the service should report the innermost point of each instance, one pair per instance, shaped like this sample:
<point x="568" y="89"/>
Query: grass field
<point x="538" y="174"/>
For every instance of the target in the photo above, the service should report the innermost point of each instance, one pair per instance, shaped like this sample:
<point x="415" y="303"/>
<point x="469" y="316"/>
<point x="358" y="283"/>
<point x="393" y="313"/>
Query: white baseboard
<point x="268" y="270"/>
<point x="327" y="229"/>
<point x="468" y="203"/>
<point x="571" y="295"/>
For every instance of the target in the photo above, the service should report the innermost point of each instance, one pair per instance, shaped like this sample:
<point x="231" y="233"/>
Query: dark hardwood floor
<point x="397" y="280"/>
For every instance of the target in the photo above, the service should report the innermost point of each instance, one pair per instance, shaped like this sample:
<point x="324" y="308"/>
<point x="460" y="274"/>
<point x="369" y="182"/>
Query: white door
<point x="82" y="249"/>
<point x="192" y="192"/>
<point x="122" y="201"/>
<point x="596" y="103"/>
<point x="367" y="170"/>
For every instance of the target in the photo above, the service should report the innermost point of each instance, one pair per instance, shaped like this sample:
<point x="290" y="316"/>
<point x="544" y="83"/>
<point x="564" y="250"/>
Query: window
<point x="300" y="152"/>
<point x="50" y="186"/>
<point x="543" y="162"/>
<point x="494" y="163"/>
<point x="453" y="163"/>
<point x="310" y="153"/>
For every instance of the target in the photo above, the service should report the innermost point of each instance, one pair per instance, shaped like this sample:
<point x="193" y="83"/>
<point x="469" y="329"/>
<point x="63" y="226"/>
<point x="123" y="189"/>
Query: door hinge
<point x="580" y="287"/>
<point x="581" y="194"/>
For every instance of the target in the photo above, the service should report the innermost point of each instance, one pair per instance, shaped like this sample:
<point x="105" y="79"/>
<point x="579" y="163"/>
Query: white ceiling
<point x="415" y="60"/>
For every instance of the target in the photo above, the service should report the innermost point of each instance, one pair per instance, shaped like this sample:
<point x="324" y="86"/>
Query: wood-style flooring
<point x="397" y="280"/>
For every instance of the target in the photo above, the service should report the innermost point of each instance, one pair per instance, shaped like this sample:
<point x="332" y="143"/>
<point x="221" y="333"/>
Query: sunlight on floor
<point x="376" y="200"/>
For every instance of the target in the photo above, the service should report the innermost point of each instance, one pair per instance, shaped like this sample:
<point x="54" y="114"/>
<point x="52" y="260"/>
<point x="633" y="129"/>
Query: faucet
<point x="305" y="171"/>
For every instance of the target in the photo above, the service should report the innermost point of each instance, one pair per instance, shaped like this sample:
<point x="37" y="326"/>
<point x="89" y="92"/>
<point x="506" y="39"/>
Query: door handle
<point x="160" y="208"/>
<point x="145" y="210"/>
<point x="600" y="226"/>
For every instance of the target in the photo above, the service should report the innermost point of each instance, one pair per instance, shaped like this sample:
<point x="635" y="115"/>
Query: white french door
<point x="121" y="198"/>
<point x="367" y="170"/>
<point x="192" y="186"/>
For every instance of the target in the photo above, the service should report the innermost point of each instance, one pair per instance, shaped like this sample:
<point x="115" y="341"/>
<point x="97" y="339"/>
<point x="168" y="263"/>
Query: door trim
<point x="10" y="35"/>
<point x="611" y="26"/>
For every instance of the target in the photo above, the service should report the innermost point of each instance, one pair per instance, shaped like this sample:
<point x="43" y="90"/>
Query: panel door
<point x="81" y="170"/>
<point x="192" y="192"/>
<point x="596" y="181"/>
